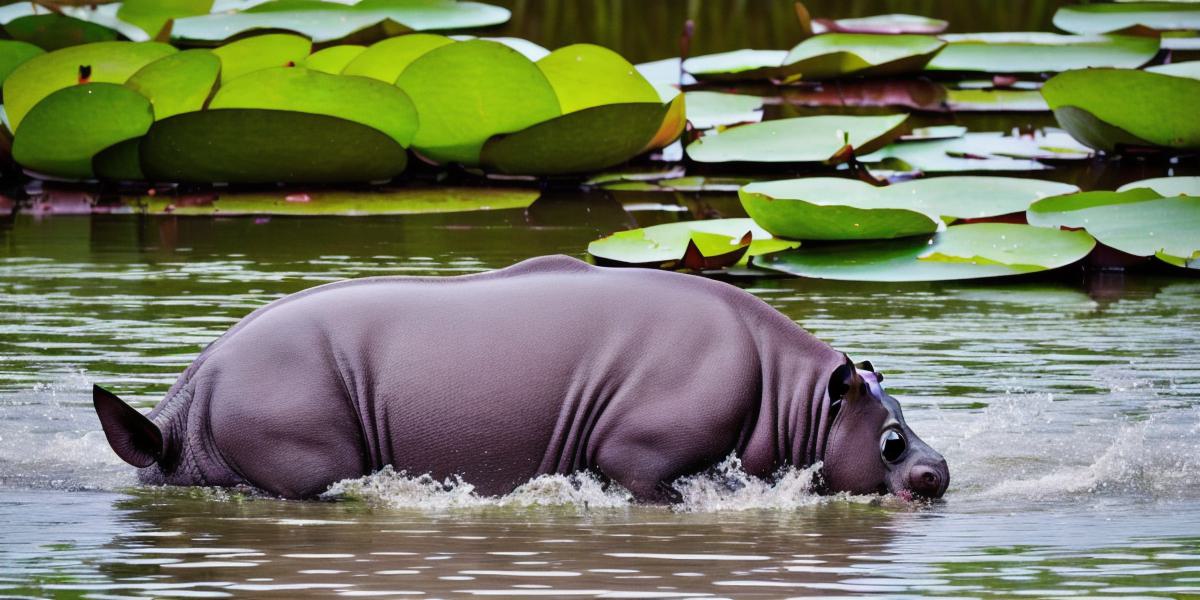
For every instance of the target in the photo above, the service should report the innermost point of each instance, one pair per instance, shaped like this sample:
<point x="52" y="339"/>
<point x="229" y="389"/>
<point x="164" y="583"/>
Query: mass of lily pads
<point x="190" y="94"/>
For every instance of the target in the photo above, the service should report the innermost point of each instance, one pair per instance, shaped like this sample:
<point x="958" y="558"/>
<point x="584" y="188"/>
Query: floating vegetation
<point x="1128" y="17"/>
<point x="390" y="201"/>
<point x="822" y="57"/>
<point x="892" y="24"/>
<point x="801" y="139"/>
<point x="1109" y="108"/>
<point x="697" y="245"/>
<point x="1035" y="52"/>
<point x="983" y="151"/>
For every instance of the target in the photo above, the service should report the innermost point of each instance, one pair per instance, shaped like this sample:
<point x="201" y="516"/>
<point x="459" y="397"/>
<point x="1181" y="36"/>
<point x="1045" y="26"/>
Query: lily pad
<point x="40" y="76"/>
<point x="582" y="141"/>
<point x="973" y="251"/>
<point x="400" y="201"/>
<point x="790" y="209"/>
<point x="55" y="31"/>
<point x="840" y="54"/>
<point x="1167" y="186"/>
<point x="586" y="76"/>
<point x="365" y="101"/>
<point x="1110" y="18"/>
<point x="386" y="60"/>
<point x="706" y="110"/>
<point x="1138" y="222"/>
<point x="328" y="21"/>
<point x="177" y="83"/>
<point x="267" y="146"/>
<point x="738" y="65"/>
<point x="1190" y="68"/>
<point x="13" y="54"/>
<point x="995" y="101"/>
<point x="1026" y="52"/>
<point x="892" y="24"/>
<point x="152" y="15"/>
<point x="720" y="241"/>
<point x="70" y="126"/>
<point x="981" y="151"/>
<point x="839" y="208"/>
<point x="801" y="139"/>
<point x="334" y="59"/>
<point x="467" y="92"/>
<point x="261" y="52"/>
<point x="1104" y="108"/>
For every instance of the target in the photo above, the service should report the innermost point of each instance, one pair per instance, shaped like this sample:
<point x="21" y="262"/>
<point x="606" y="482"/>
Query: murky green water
<point x="1069" y="413"/>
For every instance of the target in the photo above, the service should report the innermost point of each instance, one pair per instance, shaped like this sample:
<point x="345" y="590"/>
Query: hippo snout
<point x="929" y="480"/>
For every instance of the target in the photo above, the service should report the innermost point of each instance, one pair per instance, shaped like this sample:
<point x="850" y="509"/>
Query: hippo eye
<point x="892" y="445"/>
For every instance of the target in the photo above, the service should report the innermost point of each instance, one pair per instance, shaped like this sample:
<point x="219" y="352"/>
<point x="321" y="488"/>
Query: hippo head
<point x="870" y="449"/>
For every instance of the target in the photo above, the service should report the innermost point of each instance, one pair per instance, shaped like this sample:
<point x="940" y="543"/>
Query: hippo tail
<point x="132" y="435"/>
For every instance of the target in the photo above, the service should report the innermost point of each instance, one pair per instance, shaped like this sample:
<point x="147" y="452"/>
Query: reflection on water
<point x="1069" y="411"/>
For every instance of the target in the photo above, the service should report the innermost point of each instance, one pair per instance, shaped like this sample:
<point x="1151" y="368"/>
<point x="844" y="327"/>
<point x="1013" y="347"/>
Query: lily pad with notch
<point x="1138" y="221"/>
<point x="972" y="251"/>
<point x="1038" y="52"/>
<point x="800" y="139"/>
<point x="696" y="245"/>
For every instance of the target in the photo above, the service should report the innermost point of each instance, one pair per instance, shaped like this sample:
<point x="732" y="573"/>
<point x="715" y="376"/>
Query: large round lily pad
<point x="717" y="243"/>
<point x="328" y="21"/>
<point x="387" y="59"/>
<point x="177" y="83"/>
<point x="466" y="92"/>
<point x="737" y="65"/>
<point x="1138" y="221"/>
<point x="70" y="126"/>
<point x="706" y="110"/>
<point x="582" y="141"/>
<point x="585" y="75"/>
<point x="801" y="139"/>
<point x="334" y="59"/>
<point x="366" y="101"/>
<point x="972" y="251"/>
<point x="840" y="54"/>
<point x="40" y="76"/>
<point x="266" y="146"/>
<point x="261" y="52"/>
<point x="13" y="54"/>
<point x="1108" y="18"/>
<point x="57" y="31"/>
<point x="152" y="15"/>
<point x="791" y="209"/>
<point x="1104" y="108"/>
<point x="1041" y="52"/>
<point x="839" y="208"/>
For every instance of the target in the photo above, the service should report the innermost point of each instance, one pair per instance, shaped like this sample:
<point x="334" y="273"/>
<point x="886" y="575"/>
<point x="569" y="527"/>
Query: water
<point x="1068" y="411"/>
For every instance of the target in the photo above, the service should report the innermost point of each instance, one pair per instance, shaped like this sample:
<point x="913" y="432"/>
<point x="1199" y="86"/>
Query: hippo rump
<point x="549" y="366"/>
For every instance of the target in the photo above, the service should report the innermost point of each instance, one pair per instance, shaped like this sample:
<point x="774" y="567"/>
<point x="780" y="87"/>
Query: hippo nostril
<point x="930" y="479"/>
<point x="925" y="481"/>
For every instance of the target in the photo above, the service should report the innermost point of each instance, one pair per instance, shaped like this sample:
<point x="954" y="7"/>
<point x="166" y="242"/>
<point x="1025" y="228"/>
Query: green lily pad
<point x="1167" y="186"/>
<point x="328" y="21"/>
<point x="813" y="206"/>
<point x="387" y="59"/>
<point x="467" y="92"/>
<point x="70" y="126"/>
<point x="840" y="54"/>
<point x="892" y="24"/>
<point x="261" y="52"/>
<point x="120" y="162"/>
<point x="1190" y="69"/>
<point x="582" y="141"/>
<point x="13" y="54"/>
<point x="995" y="101"/>
<point x="334" y="59"/>
<point x="665" y="246"/>
<point x="706" y="110"/>
<point x="738" y="65"/>
<point x="177" y="83"/>
<point x="40" y="76"/>
<point x="1041" y="52"/>
<point x="793" y="209"/>
<point x="982" y="151"/>
<point x="801" y="139"/>
<point x="973" y="251"/>
<point x="152" y="15"/>
<point x="267" y="146"/>
<point x="1138" y="221"/>
<point x="400" y="201"/>
<point x="1109" y="18"/>
<point x="1104" y="108"/>
<point x="359" y="99"/>
<point x="527" y="48"/>
<point x="586" y="76"/>
<point x="55" y="31"/>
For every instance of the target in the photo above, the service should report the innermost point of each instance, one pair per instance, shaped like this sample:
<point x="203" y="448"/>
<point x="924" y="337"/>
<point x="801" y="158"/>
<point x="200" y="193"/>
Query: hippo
<point x="552" y="365"/>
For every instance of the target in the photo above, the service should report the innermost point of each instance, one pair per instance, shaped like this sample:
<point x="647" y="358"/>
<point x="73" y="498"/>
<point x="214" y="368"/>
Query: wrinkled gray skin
<point x="549" y="366"/>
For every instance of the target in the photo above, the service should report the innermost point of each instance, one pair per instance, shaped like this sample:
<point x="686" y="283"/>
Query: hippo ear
<point x="132" y="436"/>
<point x="865" y="366"/>
<point x="843" y="381"/>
